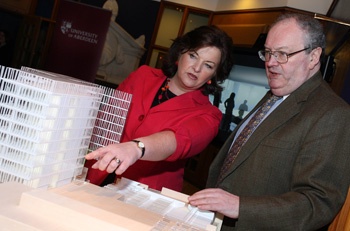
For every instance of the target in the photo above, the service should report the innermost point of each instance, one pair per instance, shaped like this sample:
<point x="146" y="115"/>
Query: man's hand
<point x="218" y="200"/>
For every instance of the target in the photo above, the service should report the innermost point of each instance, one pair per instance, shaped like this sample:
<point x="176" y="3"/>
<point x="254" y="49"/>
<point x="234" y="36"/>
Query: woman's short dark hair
<point x="204" y="36"/>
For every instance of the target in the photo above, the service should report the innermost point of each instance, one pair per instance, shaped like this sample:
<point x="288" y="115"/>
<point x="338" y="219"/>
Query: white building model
<point x="47" y="121"/>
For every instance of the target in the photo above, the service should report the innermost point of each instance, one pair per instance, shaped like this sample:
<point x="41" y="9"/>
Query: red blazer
<point x="191" y="116"/>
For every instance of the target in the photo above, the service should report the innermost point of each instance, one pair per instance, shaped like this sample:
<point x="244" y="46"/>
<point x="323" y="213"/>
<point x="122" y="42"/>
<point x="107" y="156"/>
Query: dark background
<point x="137" y="17"/>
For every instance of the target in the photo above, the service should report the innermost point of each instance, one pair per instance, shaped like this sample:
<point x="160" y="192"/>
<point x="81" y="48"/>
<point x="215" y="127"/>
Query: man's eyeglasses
<point x="280" y="56"/>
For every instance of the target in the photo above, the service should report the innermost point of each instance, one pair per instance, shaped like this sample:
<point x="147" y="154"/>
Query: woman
<point x="170" y="118"/>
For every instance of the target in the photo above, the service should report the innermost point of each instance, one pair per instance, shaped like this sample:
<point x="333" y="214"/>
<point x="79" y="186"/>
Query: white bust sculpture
<point x="121" y="52"/>
<point x="112" y="52"/>
<point x="112" y="5"/>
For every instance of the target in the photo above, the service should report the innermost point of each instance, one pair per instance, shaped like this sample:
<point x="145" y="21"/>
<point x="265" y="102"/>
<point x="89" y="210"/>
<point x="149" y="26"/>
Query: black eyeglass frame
<point x="271" y="53"/>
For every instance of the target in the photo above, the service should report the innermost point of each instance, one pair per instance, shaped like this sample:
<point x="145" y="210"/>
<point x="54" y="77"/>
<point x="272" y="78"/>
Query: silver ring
<point x="117" y="160"/>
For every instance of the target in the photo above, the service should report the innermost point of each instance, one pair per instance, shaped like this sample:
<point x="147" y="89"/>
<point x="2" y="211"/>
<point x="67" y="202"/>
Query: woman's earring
<point x="209" y="82"/>
<point x="177" y="63"/>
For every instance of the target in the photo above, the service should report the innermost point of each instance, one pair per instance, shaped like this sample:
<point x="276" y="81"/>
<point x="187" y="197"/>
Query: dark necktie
<point x="246" y="133"/>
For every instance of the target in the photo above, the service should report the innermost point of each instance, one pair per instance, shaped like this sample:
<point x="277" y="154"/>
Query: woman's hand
<point x="119" y="157"/>
<point x="218" y="200"/>
<point x="115" y="157"/>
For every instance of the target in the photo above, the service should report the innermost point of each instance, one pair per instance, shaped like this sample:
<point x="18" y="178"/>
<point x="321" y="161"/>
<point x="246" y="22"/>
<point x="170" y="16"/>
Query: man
<point x="293" y="172"/>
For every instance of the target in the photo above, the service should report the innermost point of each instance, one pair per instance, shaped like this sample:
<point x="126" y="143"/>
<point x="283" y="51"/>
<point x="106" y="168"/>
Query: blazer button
<point x="141" y="117"/>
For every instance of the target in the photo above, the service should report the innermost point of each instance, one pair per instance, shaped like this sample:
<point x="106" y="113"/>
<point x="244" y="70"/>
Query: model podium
<point x="126" y="205"/>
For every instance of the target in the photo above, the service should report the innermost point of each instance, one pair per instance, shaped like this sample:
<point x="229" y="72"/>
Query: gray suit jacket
<point x="294" y="171"/>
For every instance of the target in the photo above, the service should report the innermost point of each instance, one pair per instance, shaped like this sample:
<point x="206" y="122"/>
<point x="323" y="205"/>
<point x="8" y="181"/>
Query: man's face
<point x="285" y="78"/>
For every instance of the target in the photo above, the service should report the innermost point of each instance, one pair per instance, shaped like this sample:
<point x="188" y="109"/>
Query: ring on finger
<point x="117" y="160"/>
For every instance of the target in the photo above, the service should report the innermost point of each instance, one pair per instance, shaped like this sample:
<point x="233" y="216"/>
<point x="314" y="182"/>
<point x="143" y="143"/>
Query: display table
<point x="83" y="206"/>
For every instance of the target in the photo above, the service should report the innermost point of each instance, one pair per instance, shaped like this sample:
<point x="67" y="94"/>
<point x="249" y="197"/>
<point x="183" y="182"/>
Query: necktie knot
<point x="274" y="98"/>
<point x="267" y="105"/>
